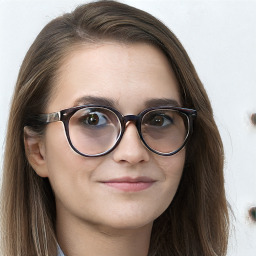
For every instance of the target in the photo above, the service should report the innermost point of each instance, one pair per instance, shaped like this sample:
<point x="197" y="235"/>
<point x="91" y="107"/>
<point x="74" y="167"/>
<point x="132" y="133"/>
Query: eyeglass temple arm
<point x="192" y="117"/>
<point x="49" y="118"/>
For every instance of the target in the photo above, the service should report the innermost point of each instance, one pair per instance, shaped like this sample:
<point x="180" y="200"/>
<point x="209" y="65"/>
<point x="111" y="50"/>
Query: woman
<point x="111" y="147"/>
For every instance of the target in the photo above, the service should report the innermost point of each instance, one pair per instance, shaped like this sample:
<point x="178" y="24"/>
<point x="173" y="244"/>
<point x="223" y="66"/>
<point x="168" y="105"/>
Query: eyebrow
<point x="161" y="102"/>
<point x="92" y="100"/>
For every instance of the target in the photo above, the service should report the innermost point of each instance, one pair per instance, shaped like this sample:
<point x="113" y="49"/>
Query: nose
<point x="131" y="149"/>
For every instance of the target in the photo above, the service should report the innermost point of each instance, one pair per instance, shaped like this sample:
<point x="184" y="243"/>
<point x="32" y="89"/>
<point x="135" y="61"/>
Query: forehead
<point x="127" y="74"/>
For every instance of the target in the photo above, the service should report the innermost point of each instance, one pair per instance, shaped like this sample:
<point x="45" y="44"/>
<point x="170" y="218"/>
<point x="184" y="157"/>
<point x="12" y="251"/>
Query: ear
<point x="35" y="151"/>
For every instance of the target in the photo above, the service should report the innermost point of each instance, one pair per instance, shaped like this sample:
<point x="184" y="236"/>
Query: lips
<point x="130" y="184"/>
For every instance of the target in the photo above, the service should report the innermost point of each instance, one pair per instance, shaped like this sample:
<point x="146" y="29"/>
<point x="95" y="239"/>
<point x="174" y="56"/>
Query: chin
<point x="118" y="228"/>
<point x="130" y="221"/>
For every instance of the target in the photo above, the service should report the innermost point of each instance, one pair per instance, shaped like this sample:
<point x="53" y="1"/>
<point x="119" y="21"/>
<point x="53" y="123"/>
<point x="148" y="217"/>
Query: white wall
<point x="220" y="37"/>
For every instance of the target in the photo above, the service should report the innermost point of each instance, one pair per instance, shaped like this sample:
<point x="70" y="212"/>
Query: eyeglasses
<point x="93" y="130"/>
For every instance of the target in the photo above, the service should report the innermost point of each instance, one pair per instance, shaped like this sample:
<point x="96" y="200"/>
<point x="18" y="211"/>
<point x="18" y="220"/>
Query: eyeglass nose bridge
<point x="131" y="118"/>
<point x="136" y="120"/>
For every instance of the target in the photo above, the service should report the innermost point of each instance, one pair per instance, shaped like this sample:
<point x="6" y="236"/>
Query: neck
<point x="82" y="239"/>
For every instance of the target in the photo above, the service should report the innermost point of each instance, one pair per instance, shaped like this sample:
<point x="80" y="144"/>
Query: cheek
<point x="171" y="165"/>
<point x="66" y="168"/>
<point x="172" y="169"/>
<point x="69" y="173"/>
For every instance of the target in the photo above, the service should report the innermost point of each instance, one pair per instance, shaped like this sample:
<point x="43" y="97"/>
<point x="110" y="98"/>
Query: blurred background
<point x="220" y="38"/>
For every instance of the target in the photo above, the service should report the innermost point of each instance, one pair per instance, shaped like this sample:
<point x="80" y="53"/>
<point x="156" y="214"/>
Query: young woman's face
<point x="98" y="190"/>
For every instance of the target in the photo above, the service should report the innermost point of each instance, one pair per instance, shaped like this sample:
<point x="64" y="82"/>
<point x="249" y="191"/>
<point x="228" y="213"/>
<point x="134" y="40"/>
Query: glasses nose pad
<point x="131" y="119"/>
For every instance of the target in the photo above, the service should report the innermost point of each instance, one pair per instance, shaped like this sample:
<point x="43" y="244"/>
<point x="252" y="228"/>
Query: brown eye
<point x="157" y="121"/>
<point x="92" y="119"/>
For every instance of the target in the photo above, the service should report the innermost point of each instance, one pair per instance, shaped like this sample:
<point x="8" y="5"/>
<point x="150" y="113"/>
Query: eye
<point x="94" y="119"/>
<point x="160" y="120"/>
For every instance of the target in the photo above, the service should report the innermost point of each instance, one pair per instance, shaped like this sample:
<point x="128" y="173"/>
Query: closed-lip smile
<point x="130" y="184"/>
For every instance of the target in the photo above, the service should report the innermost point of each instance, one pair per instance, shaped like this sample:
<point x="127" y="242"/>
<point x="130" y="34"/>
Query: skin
<point x="92" y="217"/>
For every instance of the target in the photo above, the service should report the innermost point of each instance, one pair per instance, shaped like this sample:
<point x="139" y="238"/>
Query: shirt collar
<point x="59" y="251"/>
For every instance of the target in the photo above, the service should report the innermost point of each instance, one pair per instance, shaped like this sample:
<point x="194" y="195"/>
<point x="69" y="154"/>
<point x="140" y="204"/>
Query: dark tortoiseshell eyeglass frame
<point x="65" y="115"/>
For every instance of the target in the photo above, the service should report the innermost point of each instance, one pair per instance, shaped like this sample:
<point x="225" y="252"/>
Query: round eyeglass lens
<point x="93" y="130"/>
<point x="164" y="130"/>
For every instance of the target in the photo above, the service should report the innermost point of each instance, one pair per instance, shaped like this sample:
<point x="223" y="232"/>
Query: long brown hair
<point x="196" y="222"/>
